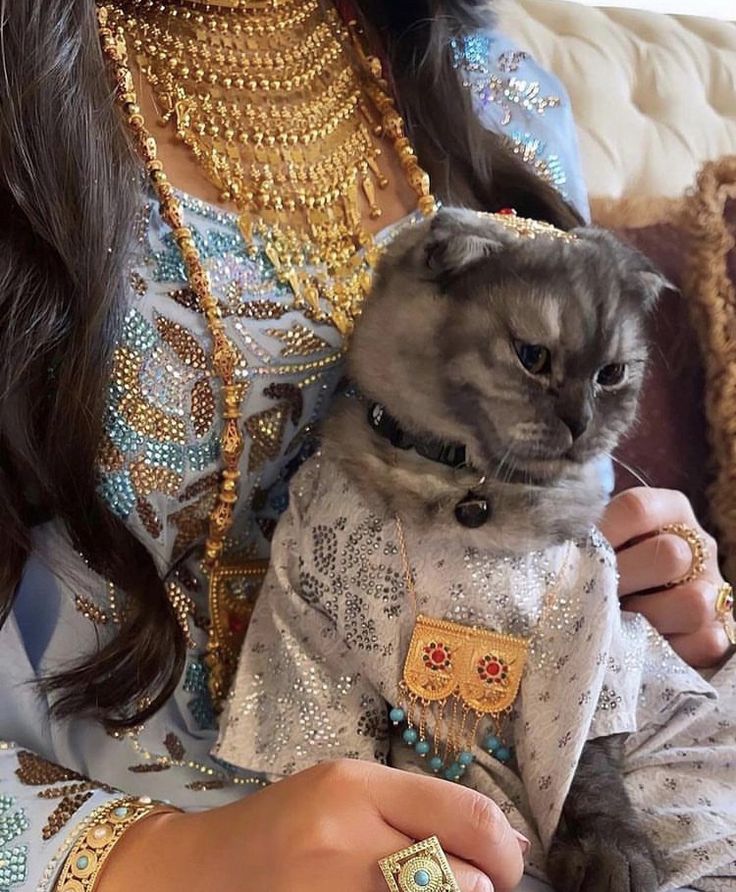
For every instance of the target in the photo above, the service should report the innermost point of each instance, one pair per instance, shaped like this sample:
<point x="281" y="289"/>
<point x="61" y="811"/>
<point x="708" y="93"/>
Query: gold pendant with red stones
<point x="459" y="675"/>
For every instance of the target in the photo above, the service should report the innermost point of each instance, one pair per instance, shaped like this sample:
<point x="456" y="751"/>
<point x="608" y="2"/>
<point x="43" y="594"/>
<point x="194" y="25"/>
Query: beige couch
<point x="654" y="95"/>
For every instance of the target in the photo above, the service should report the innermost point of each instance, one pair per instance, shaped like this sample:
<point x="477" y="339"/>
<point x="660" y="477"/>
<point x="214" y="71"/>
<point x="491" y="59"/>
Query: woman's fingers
<point x="469" y="825"/>
<point x="653" y="563"/>
<point x="650" y="561"/>
<point x="469" y="878"/>
<point x="702" y="650"/>
<point x="678" y="611"/>
<point x="641" y="511"/>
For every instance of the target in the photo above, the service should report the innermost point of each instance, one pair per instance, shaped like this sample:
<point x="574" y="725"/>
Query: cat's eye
<point x="611" y="375"/>
<point x="537" y="360"/>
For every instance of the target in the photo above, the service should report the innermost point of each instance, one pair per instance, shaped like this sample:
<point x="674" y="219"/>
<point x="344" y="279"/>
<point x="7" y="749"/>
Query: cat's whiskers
<point x="634" y="473"/>
<point x="502" y="473"/>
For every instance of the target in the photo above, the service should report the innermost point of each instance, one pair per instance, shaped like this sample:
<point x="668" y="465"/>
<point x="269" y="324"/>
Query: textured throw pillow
<point x="710" y="284"/>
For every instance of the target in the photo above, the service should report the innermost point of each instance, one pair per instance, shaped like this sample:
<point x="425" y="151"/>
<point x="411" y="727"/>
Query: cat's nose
<point x="576" y="422"/>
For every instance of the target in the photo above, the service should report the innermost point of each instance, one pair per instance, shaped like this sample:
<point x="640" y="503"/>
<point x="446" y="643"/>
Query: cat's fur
<point x="435" y="346"/>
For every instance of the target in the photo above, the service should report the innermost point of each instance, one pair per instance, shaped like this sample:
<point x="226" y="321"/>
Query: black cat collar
<point x="454" y="455"/>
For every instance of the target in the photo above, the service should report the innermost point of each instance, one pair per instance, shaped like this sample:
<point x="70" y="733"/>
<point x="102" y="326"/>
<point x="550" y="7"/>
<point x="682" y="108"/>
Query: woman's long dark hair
<point x="68" y="184"/>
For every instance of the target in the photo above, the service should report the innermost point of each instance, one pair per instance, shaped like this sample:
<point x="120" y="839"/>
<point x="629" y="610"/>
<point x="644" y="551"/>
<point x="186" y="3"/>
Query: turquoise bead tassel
<point x="410" y="735"/>
<point x="457" y="765"/>
<point x="496" y="748"/>
<point x="397" y="715"/>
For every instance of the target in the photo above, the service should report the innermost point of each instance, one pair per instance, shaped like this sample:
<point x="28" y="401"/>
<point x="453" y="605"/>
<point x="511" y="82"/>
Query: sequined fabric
<point x="163" y="423"/>
<point x="13" y="857"/>
<point x="525" y="105"/>
<point x="323" y="660"/>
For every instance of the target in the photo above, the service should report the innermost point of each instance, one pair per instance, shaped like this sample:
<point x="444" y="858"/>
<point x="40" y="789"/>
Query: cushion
<point x="668" y="447"/>
<point x="685" y="437"/>
<point x="710" y="284"/>
<point x="652" y="94"/>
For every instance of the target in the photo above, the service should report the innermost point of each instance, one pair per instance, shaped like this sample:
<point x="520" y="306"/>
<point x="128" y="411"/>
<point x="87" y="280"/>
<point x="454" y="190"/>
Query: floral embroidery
<point x="71" y="788"/>
<point x="161" y="444"/>
<point x="174" y="747"/>
<point x="299" y="341"/>
<point x="534" y="152"/>
<point x="608" y="699"/>
<point x="472" y="56"/>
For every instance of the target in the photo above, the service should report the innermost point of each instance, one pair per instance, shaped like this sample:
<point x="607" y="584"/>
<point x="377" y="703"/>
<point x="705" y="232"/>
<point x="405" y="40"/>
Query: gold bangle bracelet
<point x="85" y="861"/>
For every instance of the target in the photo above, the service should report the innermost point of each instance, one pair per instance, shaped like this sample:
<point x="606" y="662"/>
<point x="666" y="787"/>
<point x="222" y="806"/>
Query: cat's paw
<point x="599" y="864"/>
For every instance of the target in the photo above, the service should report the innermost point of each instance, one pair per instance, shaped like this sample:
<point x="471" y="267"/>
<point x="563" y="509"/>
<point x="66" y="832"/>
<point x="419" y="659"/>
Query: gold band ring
<point x="725" y="611"/>
<point x="697" y="549"/>
<point x="422" y="867"/>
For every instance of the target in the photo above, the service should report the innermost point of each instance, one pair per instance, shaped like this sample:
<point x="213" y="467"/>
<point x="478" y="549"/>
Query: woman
<point x="144" y="328"/>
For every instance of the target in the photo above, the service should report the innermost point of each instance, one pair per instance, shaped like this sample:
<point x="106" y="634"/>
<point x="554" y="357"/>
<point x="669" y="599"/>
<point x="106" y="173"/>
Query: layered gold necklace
<point x="282" y="110"/>
<point x="284" y="113"/>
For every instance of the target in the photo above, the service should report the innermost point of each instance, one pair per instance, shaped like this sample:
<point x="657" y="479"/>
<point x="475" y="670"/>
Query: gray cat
<point x="502" y="369"/>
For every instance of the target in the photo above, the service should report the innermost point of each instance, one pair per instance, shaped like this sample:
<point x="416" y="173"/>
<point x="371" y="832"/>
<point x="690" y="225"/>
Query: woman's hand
<point x="322" y="830"/>
<point x="649" y="561"/>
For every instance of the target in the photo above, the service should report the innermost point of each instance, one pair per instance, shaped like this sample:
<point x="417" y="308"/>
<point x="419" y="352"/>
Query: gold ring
<point x="422" y="867"/>
<point x="697" y="549"/>
<point x="725" y="611"/>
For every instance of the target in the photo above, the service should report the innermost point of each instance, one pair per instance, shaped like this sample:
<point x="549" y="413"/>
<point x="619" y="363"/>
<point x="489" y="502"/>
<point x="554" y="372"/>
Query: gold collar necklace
<point x="268" y="156"/>
<point x="285" y="114"/>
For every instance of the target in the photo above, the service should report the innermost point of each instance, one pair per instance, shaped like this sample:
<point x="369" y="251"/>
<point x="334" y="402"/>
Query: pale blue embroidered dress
<point x="158" y="468"/>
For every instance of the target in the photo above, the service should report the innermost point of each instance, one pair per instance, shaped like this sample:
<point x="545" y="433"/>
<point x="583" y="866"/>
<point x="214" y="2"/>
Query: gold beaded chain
<point x="282" y="110"/>
<point x="224" y="354"/>
<point x="223" y="648"/>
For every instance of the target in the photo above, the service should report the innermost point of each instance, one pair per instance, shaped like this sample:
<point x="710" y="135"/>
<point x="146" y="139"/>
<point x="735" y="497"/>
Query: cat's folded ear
<point x="651" y="285"/>
<point x="643" y="279"/>
<point x="459" y="239"/>
<point x="646" y="281"/>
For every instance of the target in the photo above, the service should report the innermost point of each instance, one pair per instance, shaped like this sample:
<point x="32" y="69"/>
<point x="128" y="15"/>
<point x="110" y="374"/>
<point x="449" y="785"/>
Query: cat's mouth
<point x="578" y="452"/>
<point x="541" y="466"/>
<point x="543" y="452"/>
<point x="537" y="461"/>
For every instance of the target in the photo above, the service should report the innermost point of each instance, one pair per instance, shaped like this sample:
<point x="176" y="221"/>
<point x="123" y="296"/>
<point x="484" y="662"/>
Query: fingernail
<point x="524" y="843"/>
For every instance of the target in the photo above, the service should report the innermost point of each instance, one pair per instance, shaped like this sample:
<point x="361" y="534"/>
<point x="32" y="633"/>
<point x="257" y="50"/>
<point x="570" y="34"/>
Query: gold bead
<point x="427" y="205"/>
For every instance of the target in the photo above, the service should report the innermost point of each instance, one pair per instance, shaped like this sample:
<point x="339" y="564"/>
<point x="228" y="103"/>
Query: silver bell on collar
<point x="473" y="511"/>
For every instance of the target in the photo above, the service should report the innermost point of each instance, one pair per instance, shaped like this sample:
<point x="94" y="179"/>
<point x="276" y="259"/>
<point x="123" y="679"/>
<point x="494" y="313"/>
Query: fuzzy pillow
<point x="710" y="284"/>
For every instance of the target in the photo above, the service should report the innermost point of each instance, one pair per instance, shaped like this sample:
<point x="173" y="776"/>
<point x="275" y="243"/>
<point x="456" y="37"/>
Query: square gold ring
<point x="422" y="867"/>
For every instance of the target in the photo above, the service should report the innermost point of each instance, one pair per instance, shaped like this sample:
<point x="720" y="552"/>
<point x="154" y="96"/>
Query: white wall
<point x="720" y="9"/>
